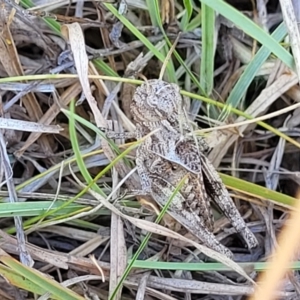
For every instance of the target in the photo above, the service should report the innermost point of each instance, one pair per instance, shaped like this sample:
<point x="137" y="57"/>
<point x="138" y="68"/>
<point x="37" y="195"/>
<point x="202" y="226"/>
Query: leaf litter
<point x="41" y="165"/>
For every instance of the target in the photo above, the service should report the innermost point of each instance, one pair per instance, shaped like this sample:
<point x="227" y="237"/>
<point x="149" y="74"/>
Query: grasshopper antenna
<point x="145" y="79"/>
<point x="164" y="66"/>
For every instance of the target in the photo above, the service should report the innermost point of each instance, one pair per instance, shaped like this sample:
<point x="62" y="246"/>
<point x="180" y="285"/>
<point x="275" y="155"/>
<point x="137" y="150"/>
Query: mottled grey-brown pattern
<point x="172" y="153"/>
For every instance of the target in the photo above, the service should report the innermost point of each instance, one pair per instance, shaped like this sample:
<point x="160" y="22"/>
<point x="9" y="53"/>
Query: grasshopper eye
<point x="174" y="167"/>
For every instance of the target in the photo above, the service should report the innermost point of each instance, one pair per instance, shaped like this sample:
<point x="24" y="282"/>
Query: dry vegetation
<point x="68" y="69"/>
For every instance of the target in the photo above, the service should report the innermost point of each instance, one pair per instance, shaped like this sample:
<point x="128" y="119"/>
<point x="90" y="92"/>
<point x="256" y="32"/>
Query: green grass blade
<point x="105" y="68"/>
<point x="252" y="29"/>
<point x="19" y="281"/>
<point x="204" y="267"/>
<point x="35" y="208"/>
<point x="154" y="12"/>
<point x="155" y="7"/>
<point x="252" y="68"/>
<point x="135" y="31"/>
<point x="195" y="23"/>
<point x="55" y="26"/>
<point x="186" y="16"/>
<point x="207" y="56"/>
<point x="75" y="146"/>
<point x="188" y="4"/>
<point x="91" y="126"/>
<point x="240" y="113"/>
<point x="258" y="191"/>
<point x="146" y="239"/>
<point x="31" y="221"/>
<point x="40" y="280"/>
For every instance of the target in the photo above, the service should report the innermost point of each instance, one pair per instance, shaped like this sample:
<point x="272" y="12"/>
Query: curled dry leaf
<point x="74" y="34"/>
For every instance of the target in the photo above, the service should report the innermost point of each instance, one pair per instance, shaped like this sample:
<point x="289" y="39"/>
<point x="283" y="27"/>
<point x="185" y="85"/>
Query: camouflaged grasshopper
<point x="171" y="153"/>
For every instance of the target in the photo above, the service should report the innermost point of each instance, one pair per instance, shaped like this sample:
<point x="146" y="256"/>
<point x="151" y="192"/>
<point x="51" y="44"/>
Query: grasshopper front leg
<point x="111" y="134"/>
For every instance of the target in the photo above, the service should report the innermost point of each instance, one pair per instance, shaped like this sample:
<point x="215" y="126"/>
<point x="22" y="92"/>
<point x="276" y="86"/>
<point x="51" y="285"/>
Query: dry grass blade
<point x="194" y="287"/>
<point x="255" y="120"/>
<point x="288" y="247"/>
<point x="56" y="289"/>
<point x="28" y="126"/>
<point x="52" y="112"/>
<point x="258" y="107"/>
<point x="118" y="253"/>
<point x="234" y="61"/>
<point x="293" y="30"/>
<point x="140" y="295"/>
<point x="74" y="34"/>
<point x="23" y="252"/>
<point x="155" y="228"/>
<point x="197" y="287"/>
<point x="9" y="49"/>
<point x="54" y="258"/>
